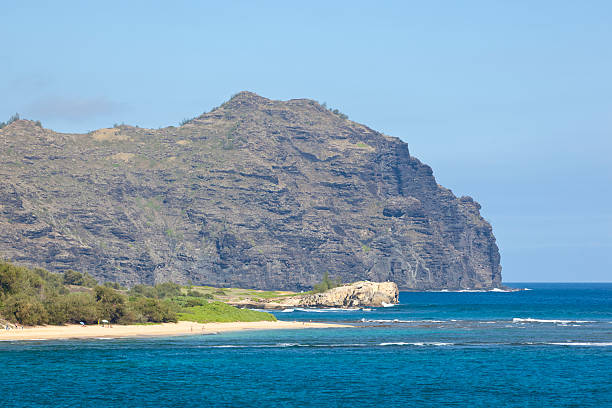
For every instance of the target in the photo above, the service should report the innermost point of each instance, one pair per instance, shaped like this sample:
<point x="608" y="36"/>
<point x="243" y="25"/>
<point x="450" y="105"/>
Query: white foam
<point x="401" y="343"/>
<point x="288" y="310"/>
<point x="401" y="321"/>
<point x="284" y="345"/>
<point x="499" y="290"/>
<point x="583" y="344"/>
<point x="226" y="346"/>
<point x="563" y="322"/>
<point x="388" y="304"/>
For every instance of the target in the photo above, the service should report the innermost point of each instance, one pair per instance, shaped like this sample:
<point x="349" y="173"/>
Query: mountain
<point x="256" y="193"/>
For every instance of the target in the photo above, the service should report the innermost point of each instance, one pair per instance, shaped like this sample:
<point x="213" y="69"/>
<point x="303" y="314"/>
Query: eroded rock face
<point x="358" y="294"/>
<point x="257" y="193"/>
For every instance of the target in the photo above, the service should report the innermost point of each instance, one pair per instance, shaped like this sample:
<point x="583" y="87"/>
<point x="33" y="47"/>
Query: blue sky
<point x="509" y="102"/>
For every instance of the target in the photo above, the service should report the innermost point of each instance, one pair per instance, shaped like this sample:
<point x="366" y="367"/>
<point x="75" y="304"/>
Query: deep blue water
<point x="550" y="346"/>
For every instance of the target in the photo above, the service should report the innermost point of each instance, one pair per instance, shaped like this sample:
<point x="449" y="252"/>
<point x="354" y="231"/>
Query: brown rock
<point x="358" y="294"/>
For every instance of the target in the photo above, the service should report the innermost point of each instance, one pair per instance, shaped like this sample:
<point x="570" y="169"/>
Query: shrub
<point x="111" y="304"/>
<point x="26" y="310"/>
<point x="12" y="119"/>
<point x="335" y="111"/>
<point x="191" y="302"/>
<point x="326" y="284"/>
<point x="19" y="280"/>
<point x="72" y="308"/>
<point x="114" y="285"/>
<point x="195" y="293"/>
<point x="185" y="121"/>
<point x="153" y="310"/>
<point x="167" y="289"/>
<point x="73" y="278"/>
<point x="144" y="290"/>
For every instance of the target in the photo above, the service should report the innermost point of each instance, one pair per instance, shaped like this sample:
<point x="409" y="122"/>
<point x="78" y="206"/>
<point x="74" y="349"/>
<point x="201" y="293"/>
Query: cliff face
<point x="257" y="193"/>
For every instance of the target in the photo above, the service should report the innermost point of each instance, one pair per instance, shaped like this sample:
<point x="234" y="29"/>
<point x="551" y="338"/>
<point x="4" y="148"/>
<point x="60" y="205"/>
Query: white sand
<point x="163" y="329"/>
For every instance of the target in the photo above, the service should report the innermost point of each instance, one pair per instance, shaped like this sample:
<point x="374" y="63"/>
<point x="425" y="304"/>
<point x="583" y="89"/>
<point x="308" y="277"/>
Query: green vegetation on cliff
<point x="36" y="297"/>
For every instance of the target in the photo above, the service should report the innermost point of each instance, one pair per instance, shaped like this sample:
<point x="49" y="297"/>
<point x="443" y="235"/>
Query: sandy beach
<point x="163" y="329"/>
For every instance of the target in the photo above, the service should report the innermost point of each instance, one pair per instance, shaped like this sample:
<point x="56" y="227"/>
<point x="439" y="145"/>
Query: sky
<point x="509" y="102"/>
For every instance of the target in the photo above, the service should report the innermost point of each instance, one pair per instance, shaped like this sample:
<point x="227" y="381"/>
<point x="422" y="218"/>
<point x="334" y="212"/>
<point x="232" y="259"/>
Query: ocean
<point x="550" y="346"/>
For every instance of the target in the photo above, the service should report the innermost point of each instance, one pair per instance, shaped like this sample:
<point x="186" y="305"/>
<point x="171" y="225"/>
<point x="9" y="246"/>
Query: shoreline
<point x="75" y="331"/>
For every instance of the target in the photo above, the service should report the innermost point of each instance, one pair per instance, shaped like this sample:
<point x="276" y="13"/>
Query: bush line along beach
<point x="71" y="300"/>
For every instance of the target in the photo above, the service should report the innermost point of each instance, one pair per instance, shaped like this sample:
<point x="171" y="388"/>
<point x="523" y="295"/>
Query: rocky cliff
<point x="256" y="193"/>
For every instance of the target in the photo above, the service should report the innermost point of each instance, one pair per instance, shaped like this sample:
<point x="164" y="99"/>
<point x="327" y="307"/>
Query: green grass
<point x="221" y="312"/>
<point x="268" y="294"/>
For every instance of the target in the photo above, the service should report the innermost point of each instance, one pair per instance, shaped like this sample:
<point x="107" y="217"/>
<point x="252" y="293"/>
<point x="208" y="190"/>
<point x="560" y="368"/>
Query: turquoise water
<point x="550" y="346"/>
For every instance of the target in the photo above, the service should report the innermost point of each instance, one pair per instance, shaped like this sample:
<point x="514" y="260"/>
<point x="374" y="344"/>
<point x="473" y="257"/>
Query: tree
<point x="26" y="310"/>
<point x="326" y="284"/>
<point x="111" y="304"/>
<point x="73" y="278"/>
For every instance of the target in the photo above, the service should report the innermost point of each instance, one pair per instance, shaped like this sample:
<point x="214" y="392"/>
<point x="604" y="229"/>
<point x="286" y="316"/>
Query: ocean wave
<point x="224" y="346"/>
<point x="411" y="344"/>
<point x="402" y="343"/>
<point x="583" y="344"/>
<point x="497" y="290"/>
<point x="400" y="321"/>
<point x="285" y="345"/>
<point x="342" y="345"/>
<point x="500" y="290"/>
<point x="530" y="320"/>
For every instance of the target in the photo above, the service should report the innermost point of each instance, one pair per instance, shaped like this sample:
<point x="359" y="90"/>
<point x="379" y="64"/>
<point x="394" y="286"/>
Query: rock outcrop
<point x="358" y="294"/>
<point x="256" y="193"/>
<point x="354" y="295"/>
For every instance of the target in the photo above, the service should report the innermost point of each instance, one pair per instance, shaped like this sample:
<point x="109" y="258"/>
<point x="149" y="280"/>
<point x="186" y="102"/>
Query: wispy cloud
<point x="74" y="109"/>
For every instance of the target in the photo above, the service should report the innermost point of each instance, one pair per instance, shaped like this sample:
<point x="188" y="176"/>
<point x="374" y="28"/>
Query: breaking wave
<point x="530" y="320"/>
<point x="401" y="343"/>
<point x="583" y="344"/>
